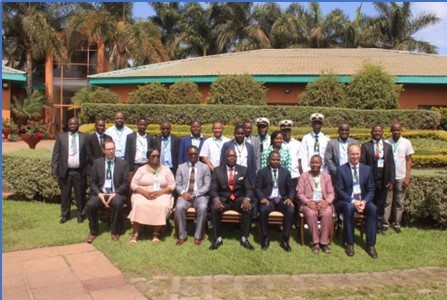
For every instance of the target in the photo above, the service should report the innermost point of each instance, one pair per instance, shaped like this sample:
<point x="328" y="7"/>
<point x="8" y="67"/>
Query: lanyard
<point x="377" y="147"/>
<point x="343" y="145"/>
<point x="139" y="138"/>
<point x="239" y="150"/>
<point x="218" y="142"/>
<point x="316" y="182"/>
<point x="155" y="171"/>
<point x="395" y="145"/>
<point x="119" y="133"/>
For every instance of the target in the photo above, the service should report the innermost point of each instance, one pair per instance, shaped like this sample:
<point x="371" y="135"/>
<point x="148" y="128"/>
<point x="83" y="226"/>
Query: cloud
<point x="436" y="34"/>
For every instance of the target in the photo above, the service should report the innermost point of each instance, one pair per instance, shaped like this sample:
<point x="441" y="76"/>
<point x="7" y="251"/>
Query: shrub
<point x="373" y="88"/>
<point x="237" y="90"/>
<point x="233" y="114"/>
<point x="91" y="94"/>
<point x="443" y="112"/>
<point x="151" y="93"/>
<point x="327" y="91"/>
<point x="184" y="92"/>
<point x="27" y="173"/>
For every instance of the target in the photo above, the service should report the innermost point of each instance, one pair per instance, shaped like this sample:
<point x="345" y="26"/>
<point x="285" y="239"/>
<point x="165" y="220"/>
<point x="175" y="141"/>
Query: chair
<point x="275" y="218"/>
<point x="231" y="216"/>
<point x="303" y="223"/>
<point x="190" y="216"/>
<point x="359" y="222"/>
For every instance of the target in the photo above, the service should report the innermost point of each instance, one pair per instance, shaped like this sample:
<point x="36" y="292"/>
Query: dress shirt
<point x="343" y="150"/>
<point x="296" y="153"/>
<point x="241" y="154"/>
<point x="195" y="181"/>
<point x="112" y="168"/>
<point x="140" y="153"/>
<point x="211" y="149"/>
<point x="165" y="152"/>
<point x="119" y="137"/>
<point x="73" y="150"/>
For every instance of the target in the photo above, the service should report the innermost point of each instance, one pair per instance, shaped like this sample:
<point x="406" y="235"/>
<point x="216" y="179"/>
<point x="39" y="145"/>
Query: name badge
<point x="317" y="196"/>
<point x="357" y="189"/>
<point x="380" y="163"/>
<point x="166" y="158"/>
<point x="156" y="186"/>
<point x="118" y="147"/>
<point x="275" y="192"/>
<point x="316" y="153"/>
<point x="108" y="184"/>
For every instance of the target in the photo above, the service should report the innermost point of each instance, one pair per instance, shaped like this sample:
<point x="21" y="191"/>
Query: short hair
<point x="273" y="135"/>
<point x="228" y="150"/>
<point x="217" y="122"/>
<point x="316" y="155"/>
<point x="274" y="152"/>
<point x="150" y="151"/>
<point x="246" y="122"/>
<point x="99" y="119"/>
<point x="237" y="127"/>
<point x="119" y="112"/>
<point x="195" y="121"/>
<point x="376" y="125"/>
<point x="352" y="145"/>
<point x="192" y="147"/>
<point x="141" y="119"/>
<point x="107" y="140"/>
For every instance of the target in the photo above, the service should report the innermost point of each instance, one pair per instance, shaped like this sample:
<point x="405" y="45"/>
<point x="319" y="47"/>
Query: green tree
<point x="151" y="93"/>
<point x="373" y="88"/>
<point x="184" y="92"/>
<point x="237" y="90"/>
<point x="325" y="91"/>
<point x="30" y="106"/>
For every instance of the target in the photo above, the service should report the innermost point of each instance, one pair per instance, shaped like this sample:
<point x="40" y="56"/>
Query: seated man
<point x="193" y="181"/>
<point x="108" y="185"/>
<point x="230" y="190"/>
<point x="274" y="188"/>
<point x="354" y="185"/>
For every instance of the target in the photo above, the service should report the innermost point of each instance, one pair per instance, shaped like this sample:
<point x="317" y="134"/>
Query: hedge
<point x="27" y="173"/>
<point x="233" y="114"/>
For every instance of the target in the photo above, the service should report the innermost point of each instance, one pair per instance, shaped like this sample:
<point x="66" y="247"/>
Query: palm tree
<point x="265" y="16"/>
<point x="29" y="107"/>
<point x="397" y="25"/>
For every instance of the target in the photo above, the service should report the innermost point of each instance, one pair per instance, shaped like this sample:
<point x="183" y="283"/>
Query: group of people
<point x="253" y="175"/>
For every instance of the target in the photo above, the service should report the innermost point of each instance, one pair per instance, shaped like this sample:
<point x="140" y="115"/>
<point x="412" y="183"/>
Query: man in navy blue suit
<point x="354" y="185"/>
<point x="194" y="139"/>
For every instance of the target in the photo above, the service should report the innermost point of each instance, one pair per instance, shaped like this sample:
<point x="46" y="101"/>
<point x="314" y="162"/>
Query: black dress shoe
<point x="246" y="244"/>
<point x="265" y="243"/>
<point x="80" y="219"/>
<point x="371" y="250"/>
<point x="216" y="245"/>
<point x="64" y="219"/>
<point x="349" y="250"/>
<point x="397" y="229"/>
<point x="285" y="245"/>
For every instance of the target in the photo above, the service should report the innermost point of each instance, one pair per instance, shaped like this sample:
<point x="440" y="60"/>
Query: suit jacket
<point x="256" y="143"/>
<point x="131" y="149"/>
<point x="306" y="187"/>
<point x="120" y="177"/>
<point x="264" y="184"/>
<point x="344" y="183"/>
<point x="332" y="154"/>
<point x="185" y="143"/>
<point x="219" y="184"/>
<point x="175" y="140"/>
<point x="251" y="163"/>
<point x="202" y="175"/>
<point x="59" y="158"/>
<point x="93" y="149"/>
<point x="368" y="158"/>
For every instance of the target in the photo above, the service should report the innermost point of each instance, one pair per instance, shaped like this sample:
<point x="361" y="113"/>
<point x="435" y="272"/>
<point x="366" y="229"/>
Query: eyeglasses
<point x="110" y="149"/>
<point x="155" y="155"/>
<point x="165" y="128"/>
<point x="193" y="154"/>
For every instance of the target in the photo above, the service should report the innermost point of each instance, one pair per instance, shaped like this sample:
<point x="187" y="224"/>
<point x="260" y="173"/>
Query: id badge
<point x="317" y="196"/>
<point x="357" y="189"/>
<point x="316" y="153"/>
<point x="275" y="193"/>
<point x="156" y="186"/>
<point x="118" y="147"/>
<point x="108" y="184"/>
<point x="143" y="153"/>
<point x="380" y="163"/>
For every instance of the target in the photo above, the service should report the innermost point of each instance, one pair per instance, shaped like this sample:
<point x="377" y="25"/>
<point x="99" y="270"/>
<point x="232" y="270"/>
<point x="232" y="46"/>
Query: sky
<point x="436" y="35"/>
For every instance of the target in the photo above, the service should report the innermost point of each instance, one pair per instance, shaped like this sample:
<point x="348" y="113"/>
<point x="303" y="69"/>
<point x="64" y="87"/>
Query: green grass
<point x="29" y="225"/>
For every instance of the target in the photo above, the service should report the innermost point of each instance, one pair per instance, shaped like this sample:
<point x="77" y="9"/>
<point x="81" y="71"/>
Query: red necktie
<point x="377" y="149"/>
<point x="231" y="184"/>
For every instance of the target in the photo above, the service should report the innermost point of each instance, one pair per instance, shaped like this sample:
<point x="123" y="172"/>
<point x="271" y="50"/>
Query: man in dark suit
<point x="108" y="184"/>
<point x="254" y="141"/>
<point x="354" y="185"/>
<point x="168" y="145"/>
<point x="194" y="139"/>
<point x="275" y="191"/>
<point x="93" y="143"/>
<point x="137" y="144"/>
<point x="379" y="156"/>
<point x="230" y="190"/>
<point x="68" y="167"/>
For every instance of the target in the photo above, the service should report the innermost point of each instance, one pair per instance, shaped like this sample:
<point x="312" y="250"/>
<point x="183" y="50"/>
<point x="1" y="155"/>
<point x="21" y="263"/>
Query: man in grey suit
<point x="68" y="163"/>
<point x="193" y="180"/>
<point x="337" y="149"/>
<point x="254" y="141"/>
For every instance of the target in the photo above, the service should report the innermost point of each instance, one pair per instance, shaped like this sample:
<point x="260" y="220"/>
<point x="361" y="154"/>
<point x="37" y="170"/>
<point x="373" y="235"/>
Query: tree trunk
<point x="29" y="71"/>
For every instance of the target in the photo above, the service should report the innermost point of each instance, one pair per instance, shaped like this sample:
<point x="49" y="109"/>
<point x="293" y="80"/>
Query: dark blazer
<point x="368" y="158"/>
<point x="264" y="184"/>
<point x="251" y="160"/>
<point x="344" y="183"/>
<point x="185" y="143"/>
<point x="131" y="148"/>
<point x="59" y="158"/>
<point x="332" y="154"/>
<point x="93" y="149"/>
<point x="175" y="140"/>
<point x="219" y="184"/>
<point x="120" y="177"/>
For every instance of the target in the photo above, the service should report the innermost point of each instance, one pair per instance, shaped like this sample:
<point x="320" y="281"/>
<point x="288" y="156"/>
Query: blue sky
<point x="436" y="35"/>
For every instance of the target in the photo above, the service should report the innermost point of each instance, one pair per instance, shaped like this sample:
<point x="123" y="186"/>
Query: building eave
<point x="14" y="77"/>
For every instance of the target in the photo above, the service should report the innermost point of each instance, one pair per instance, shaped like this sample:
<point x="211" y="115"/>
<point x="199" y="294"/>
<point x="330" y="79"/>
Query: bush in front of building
<point x="443" y="112"/>
<point x="184" y="92"/>
<point x="150" y="93"/>
<point x="327" y="90"/>
<point x="373" y="88"/>
<point x="237" y="90"/>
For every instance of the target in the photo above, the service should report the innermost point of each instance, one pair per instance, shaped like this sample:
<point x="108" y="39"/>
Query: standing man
<point x="68" y="167"/>
<point x="337" y="149"/>
<point x="195" y="139"/>
<point x="379" y="156"/>
<point x="275" y="191"/>
<point x="137" y="144"/>
<point x="354" y="185"/>
<point x="315" y="142"/>
<point x="193" y="180"/>
<point x="263" y="133"/>
<point x="295" y="149"/>
<point x="231" y="190"/>
<point x="167" y="144"/>
<point x="212" y="147"/>
<point x="395" y="200"/>
<point x="254" y="141"/>
<point x="93" y="143"/>
<point x="109" y="184"/>
<point x="119" y="133"/>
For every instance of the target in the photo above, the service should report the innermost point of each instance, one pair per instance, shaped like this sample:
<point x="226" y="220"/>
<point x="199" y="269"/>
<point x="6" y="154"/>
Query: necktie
<point x="101" y="139"/>
<point x="109" y="176"/>
<point x="262" y="145"/>
<point x="377" y="149"/>
<point x="231" y="184"/>
<point x="275" y="184"/>
<point x="73" y="149"/>
<point x="192" y="179"/>
<point x="356" y="181"/>
<point x="317" y="144"/>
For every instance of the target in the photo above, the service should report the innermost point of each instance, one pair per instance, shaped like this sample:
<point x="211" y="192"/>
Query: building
<point x="13" y="82"/>
<point x="286" y="72"/>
